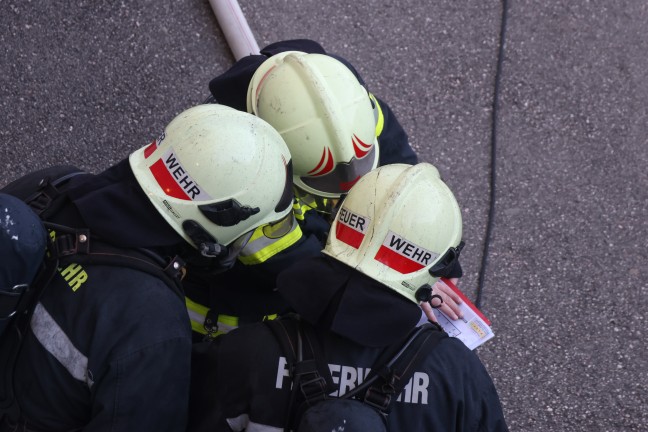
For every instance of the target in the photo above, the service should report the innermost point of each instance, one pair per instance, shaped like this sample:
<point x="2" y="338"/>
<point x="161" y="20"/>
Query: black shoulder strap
<point x="311" y="378"/>
<point x="42" y="190"/>
<point x="79" y="246"/>
<point x="388" y="378"/>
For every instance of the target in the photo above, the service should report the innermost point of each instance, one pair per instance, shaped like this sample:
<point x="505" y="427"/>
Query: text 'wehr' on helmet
<point x="215" y="174"/>
<point x="325" y="115"/>
<point x="400" y="225"/>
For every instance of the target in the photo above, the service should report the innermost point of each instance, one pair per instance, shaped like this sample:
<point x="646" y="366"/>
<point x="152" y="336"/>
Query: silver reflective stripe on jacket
<point x="58" y="344"/>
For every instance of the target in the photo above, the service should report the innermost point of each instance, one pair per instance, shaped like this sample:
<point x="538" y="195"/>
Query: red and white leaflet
<point x="473" y="329"/>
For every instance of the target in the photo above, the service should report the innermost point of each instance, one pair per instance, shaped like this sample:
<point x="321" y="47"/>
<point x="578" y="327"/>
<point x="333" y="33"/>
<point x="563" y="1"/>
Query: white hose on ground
<point x="235" y="27"/>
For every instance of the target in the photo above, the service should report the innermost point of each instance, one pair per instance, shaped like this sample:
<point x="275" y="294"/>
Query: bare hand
<point x="450" y="305"/>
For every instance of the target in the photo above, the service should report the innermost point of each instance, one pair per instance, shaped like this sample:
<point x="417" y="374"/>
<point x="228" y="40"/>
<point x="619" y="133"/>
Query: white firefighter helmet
<point x="217" y="172"/>
<point x="400" y="225"/>
<point x="327" y="118"/>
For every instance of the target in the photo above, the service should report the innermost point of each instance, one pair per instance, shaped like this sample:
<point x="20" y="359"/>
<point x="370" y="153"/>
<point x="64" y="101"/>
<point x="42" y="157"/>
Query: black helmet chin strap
<point x="424" y="294"/>
<point x="207" y="245"/>
<point x="212" y="250"/>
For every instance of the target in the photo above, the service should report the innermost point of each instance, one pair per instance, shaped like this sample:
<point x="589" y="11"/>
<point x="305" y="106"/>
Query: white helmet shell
<point x="324" y="114"/>
<point x="396" y="223"/>
<point x="227" y="170"/>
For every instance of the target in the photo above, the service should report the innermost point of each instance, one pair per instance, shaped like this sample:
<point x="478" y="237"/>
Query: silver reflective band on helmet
<point x="216" y="173"/>
<point x="324" y="114"/>
<point x="398" y="225"/>
<point x="340" y="178"/>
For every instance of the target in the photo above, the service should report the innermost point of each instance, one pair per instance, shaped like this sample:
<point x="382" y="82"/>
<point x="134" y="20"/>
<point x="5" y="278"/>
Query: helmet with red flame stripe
<point x="216" y="174"/>
<point x="324" y="114"/>
<point x="400" y="225"/>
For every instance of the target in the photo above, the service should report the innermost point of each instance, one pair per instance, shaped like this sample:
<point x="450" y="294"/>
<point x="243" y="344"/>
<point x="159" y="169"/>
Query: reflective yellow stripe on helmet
<point x="261" y="247"/>
<point x="380" y="121"/>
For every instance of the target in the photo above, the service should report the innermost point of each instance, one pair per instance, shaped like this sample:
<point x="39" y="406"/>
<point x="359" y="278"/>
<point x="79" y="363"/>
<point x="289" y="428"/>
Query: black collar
<point x="115" y="208"/>
<point x="337" y="298"/>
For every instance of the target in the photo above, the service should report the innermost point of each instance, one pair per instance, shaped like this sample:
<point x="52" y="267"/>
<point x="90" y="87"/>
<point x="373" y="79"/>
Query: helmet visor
<point x="448" y="265"/>
<point x="280" y="228"/>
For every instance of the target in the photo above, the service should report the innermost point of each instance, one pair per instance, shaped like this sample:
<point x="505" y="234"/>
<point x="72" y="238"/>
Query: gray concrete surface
<point x="87" y="82"/>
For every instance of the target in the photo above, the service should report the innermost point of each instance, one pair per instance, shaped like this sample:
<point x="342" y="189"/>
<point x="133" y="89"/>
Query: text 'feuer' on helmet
<point x="398" y="225"/>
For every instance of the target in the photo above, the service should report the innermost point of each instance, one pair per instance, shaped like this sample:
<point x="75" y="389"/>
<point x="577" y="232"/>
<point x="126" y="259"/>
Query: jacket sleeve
<point x="492" y="416"/>
<point x="392" y="139"/>
<point x="459" y="395"/>
<point x="230" y="88"/>
<point x="147" y="390"/>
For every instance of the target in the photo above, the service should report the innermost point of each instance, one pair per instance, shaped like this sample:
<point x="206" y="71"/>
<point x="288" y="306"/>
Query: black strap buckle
<point x="76" y="242"/>
<point x="314" y="389"/>
<point x="44" y="197"/>
<point x="378" y="399"/>
<point x="211" y="324"/>
<point x="176" y="268"/>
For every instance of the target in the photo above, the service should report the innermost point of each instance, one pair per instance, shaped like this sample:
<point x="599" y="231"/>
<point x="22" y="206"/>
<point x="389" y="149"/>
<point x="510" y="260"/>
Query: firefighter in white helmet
<point x="326" y="116"/>
<point x="411" y="245"/>
<point x="397" y="231"/>
<point x="215" y="195"/>
<point x="336" y="131"/>
<point x="109" y="341"/>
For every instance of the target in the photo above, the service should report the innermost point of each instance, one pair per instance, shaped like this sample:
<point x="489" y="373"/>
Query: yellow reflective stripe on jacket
<point x="303" y="204"/>
<point x="299" y="210"/>
<point x="260" y="247"/>
<point x="380" y="122"/>
<point x="197" y="315"/>
<point x="225" y="323"/>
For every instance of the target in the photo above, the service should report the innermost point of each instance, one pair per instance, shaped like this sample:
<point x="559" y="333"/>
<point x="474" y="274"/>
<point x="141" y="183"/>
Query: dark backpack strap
<point x="315" y="379"/>
<point x="388" y="377"/>
<point x="43" y="190"/>
<point x="311" y="378"/>
<point x="73" y="245"/>
<point x="285" y="332"/>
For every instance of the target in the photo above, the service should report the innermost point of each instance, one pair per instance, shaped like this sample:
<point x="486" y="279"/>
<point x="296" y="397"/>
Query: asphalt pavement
<point x="87" y="82"/>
